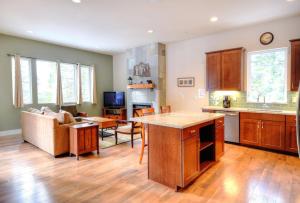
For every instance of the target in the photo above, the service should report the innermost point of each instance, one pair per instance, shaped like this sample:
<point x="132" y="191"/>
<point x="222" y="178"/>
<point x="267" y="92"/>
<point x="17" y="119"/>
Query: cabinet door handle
<point x="193" y="131"/>
<point x="257" y="125"/>
<point x="262" y="124"/>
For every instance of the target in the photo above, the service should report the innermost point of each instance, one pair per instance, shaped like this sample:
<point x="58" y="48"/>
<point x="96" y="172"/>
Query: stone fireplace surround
<point x="154" y="55"/>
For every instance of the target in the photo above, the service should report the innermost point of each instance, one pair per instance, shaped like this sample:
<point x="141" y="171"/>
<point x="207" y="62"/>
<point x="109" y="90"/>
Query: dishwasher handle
<point x="229" y="113"/>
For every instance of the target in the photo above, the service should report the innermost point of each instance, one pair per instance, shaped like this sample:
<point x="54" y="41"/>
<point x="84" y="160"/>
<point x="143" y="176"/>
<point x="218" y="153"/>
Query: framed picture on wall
<point x="186" y="82"/>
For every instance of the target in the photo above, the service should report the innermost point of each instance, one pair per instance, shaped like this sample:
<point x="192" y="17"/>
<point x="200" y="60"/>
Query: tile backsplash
<point x="239" y="99"/>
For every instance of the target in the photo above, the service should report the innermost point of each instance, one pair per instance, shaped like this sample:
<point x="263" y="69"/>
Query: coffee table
<point x="104" y="123"/>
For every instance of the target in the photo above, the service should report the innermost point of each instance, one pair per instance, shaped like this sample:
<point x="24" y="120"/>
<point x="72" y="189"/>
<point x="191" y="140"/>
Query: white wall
<point x="120" y="72"/>
<point x="187" y="58"/>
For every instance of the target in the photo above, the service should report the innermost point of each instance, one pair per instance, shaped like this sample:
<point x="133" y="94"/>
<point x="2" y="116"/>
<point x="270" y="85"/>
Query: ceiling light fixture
<point x="76" y="1"/>
<point x="29" y="31"/>
<point x="290" y="0"/>
<point x="150" y="31"/>
<point x="214" y="19"/>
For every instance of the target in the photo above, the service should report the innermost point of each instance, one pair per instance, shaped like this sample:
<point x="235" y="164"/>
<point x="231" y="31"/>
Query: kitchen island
<point x="182" y="145"/>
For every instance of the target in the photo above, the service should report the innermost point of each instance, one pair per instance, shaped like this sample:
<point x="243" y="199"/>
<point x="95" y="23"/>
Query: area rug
<point x="110" y="141"/>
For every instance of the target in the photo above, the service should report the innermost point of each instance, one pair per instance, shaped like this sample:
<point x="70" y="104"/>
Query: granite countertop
<point x="252" y="110"/>
<point x="178" y="120"/>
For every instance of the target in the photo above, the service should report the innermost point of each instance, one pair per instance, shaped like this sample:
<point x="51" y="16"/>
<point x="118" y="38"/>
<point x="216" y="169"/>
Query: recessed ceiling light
<point x="150" y="31"/>
<point x="29" y="31"/>
<point x="77" y="1"/>
<point x="290" y="0"/>
<point x="214" y="19"/>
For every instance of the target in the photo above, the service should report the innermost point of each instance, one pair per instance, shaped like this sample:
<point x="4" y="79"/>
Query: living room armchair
<point x="73" y="110"/>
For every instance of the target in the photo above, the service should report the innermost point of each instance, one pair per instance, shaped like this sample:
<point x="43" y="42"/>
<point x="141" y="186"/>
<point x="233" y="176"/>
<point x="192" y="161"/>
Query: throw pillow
<point x="68" y="117"/>
<point x="33" y="110"/>
<point x="46" y="109"/>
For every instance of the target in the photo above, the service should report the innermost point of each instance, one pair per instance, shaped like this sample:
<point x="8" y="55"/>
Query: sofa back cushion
<point x="33" y="110"/>
<point x="59" y="116"/>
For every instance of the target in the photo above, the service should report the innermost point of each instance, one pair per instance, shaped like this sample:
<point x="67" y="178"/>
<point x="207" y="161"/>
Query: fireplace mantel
<point x="141" y="86"/>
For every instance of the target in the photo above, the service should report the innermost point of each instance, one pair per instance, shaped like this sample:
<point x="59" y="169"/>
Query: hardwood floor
<point x="28" y="174"/>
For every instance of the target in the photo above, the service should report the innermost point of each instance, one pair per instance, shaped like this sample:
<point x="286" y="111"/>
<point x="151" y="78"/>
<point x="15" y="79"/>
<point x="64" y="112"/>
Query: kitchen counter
<point x="250" y="110"/>
<point x="178" y="120"/>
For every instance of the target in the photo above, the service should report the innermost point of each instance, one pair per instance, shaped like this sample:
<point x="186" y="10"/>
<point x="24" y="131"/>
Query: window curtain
<point x="79" y="88"/>
<point x="59" y="92"/>
<point x="94" y="86"/>
<point x="18" y="93"/>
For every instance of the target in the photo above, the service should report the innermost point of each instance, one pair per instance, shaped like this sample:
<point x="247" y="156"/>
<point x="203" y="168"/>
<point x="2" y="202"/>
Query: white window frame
<point x="30" y="78"/>
<point x="37" y="85"/>
<point x="90" y="83"/>
<point x="249" y="74"/>
<point x="75" y="82"/>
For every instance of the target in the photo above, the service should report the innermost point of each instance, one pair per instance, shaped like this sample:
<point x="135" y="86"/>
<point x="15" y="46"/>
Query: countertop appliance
<point x="231" y="126"/>
<point x="226" y="102"/>
<point x="297" y="121"/>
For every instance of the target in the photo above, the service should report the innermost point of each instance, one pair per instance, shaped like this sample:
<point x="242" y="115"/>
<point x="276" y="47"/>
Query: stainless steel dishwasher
<point x="232" y="126"/>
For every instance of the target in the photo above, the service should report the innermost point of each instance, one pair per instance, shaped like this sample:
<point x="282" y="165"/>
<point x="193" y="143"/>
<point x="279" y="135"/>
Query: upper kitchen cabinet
<point x="224" y="69"/>
<point x="295" y="64"/>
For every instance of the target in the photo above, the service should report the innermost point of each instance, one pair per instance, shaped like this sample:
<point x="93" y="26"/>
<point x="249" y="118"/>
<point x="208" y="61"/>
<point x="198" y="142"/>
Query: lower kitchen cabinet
<point x="250" y="132"/>
<point x="272" y="134"/>
<point x="270" y="131"/>
<point x="290" y="137"/>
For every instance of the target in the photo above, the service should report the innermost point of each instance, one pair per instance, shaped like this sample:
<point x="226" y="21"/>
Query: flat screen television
<point x="114" y="99"/>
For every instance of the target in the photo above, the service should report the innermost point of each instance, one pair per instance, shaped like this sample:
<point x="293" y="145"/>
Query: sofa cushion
<point x="33" y="110"/>
<point x="59" y="116"/>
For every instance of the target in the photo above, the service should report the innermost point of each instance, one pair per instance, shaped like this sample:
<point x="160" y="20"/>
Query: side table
<point x="84" y="139"/>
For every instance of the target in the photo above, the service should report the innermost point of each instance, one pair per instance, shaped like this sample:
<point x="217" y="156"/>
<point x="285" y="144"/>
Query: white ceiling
<point x="112" y="26"/>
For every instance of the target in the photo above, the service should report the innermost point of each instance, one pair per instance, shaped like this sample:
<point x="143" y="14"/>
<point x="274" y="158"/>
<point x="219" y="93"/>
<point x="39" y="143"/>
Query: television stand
<point x="115" y="113"/>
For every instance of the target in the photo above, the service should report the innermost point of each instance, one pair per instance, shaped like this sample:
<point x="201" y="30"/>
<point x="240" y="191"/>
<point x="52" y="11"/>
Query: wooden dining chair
<point x="145" y="112"/>
<point x="165" y="109"/>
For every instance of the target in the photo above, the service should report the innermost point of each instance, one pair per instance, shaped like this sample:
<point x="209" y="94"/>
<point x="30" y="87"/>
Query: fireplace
<point x="144" y="64"/>
<point x="136" y="107"/>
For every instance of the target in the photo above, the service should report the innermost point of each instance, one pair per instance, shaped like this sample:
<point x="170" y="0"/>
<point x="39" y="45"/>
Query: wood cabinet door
<point x="295" y="65"/>
<point x="190" y="158"/>
<point x="250" y="132"/>
<point x="231" y="70"/>
<point x="213" y="71"/>
<point x="88" y="139"/>
<point x="291" y="137"/>
<point x="273" y="134"/>
<point x="219" y="142"/>
<point x="81" y="140"/>
<point x="95" y="139"/>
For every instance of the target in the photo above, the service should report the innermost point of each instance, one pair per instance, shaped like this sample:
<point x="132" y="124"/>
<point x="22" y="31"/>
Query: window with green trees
<point x="267" y="76"/>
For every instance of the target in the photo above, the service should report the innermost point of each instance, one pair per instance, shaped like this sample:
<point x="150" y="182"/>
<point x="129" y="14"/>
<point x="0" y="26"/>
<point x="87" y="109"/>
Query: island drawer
<point x="191" y="131"/>
<point x="219" y="121"/>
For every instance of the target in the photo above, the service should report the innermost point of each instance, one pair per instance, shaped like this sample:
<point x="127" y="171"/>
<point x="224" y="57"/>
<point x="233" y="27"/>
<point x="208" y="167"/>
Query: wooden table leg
<point x="102" y="133"/>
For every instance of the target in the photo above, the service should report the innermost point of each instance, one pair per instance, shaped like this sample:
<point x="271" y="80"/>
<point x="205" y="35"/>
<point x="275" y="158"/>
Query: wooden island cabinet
<point x="182" y="146"/>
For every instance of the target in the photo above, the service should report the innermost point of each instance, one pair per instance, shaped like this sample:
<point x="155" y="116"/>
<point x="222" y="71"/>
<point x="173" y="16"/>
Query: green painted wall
<point x="9" y="116"/>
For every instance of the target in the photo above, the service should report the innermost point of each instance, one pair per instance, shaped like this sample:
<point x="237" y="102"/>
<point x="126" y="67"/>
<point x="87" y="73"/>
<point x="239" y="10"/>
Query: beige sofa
<point x="45" y="132"/>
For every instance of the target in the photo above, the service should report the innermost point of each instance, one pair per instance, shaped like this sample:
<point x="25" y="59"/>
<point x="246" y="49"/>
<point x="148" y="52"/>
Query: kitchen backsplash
<point x="239" y="99"/>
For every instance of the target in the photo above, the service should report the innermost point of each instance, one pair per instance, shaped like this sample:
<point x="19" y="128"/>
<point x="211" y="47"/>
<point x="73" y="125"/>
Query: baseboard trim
<point x="10" y="132"/>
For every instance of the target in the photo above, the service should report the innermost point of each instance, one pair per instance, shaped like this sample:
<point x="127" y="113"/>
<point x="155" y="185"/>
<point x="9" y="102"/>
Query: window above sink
<point x="267" y="76"/>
